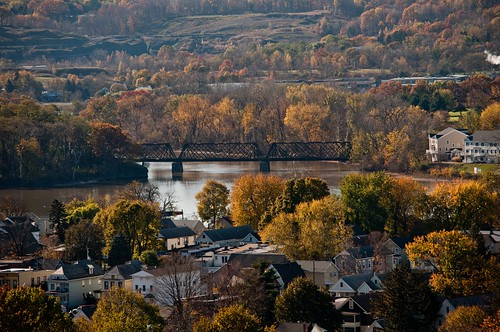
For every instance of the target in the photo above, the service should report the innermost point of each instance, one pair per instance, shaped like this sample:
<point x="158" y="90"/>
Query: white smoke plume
<point x="491" y="58"/>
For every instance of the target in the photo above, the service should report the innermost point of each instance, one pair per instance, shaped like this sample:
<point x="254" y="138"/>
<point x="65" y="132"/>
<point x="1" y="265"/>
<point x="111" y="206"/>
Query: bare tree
<point x="11" y="207"/>
<point x="381" y="253"/>
<point x="179" y="282"/>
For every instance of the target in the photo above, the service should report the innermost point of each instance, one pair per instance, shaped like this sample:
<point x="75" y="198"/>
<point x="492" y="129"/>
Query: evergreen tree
<point x="57" y="218"/>
<point x="407" y="303"/>
<point x="120" y="252"/>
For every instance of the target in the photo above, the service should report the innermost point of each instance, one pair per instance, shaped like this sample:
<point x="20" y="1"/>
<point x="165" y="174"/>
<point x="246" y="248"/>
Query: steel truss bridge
<point x="300" y="151"/>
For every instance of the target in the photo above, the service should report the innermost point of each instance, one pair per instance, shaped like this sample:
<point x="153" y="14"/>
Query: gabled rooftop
<point x="231" y="233"/>
<point x="177" y="232"/>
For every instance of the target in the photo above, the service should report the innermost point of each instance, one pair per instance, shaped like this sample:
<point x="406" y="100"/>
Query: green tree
<point x="77" y="210"/>
<point x="57" y="216"/>
<point x="252" y="196"/>
<point x="362" y="195"/>
<point x="29" y="309"/>
<point x="464" y="319"/>
<point x="402" y="202"/>
<point x="149" y="258"/>
<point x="316" y="230"/>
<point x="84" y="239"/>
<point x="406" y="303"/>
<point x="258" y="291"/>
<point x="303" y="301"/>
<point x="138" y="221"/>
<point x="119" y="251"/>
<point x="123" y="310"/>
<point x="301" y="190"/>
<point x="213" y="200"/>
<point x="458" y="268"/>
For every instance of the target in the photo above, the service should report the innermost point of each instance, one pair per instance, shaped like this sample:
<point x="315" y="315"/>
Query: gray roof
<point x="173" y="233"/>
<point x="167" y="223"/>
<point x="490" y="136"/>
<point x="80" y="269"/>
<point x="125" y="270"/>
<point x="231" y="233"/>
<point x="356" y="280"/>
<point x="248" y="260"/>
<point x="467" y="301"/>
<point x="401" y="241"/>
<point x="288" y="271"/>
<point x="361" y="251"/>
<point x="195" y="225"/>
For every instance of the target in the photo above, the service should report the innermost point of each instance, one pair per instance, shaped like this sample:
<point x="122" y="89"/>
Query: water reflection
<point x="193" y="179"/>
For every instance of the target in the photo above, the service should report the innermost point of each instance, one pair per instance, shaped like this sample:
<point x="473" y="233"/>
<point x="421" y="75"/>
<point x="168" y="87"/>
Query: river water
<point x="194" y="177"/>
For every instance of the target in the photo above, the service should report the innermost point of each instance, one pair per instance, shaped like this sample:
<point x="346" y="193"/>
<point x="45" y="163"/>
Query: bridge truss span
<point x="220" y="152"/>
<point x="155" y="152"/>
<point x="282" y="151"/>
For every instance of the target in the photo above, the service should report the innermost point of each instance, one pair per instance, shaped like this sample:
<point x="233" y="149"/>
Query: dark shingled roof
<point x="167" y="223"/>
<point x="288" y="271"/>
<point x="50" y="264"/>
<point x="467" y="301"/>
<point x="80" y="269"/>
<point x="361" y="251"/>
<point x="356" y="280"/>
<point x="402" y="241"/>
<point x="125" y="270"/>
<point x="231" y="233"/>
<point x="173" y="233"/>
<point x="248" y="260"/>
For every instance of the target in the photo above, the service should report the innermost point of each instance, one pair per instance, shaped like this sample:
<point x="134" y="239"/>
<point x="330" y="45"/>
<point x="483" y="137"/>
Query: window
<point x="120" y="284"/>
<point x="44" y="278"/>
<point x="351" y="304"/>
<point x="106" y="285"/>
<point x="136" y="287"/>
<point x="447" y="142"/>
<point x="90" y="281"/>
<point x="341" y="284"/>
<point x="14" y="283"/>
<point x="52" y="286"/>
<point x="150" y="288"/>
<point x="32" y="282"/>
<point x="178" y="241"/>
<point x="83" y="283"/>
<point x="38" y="280"/>
<point x="112" y="284"/>
<point x="143" y="288"/>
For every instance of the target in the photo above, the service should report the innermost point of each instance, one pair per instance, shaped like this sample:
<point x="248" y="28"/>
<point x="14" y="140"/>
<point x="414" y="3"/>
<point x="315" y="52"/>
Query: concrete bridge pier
<point x="265" y="166"/>
<point x="177" y="167"/>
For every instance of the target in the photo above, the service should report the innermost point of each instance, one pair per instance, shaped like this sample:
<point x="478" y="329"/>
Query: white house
<point x="120" y="276"/>
<point x="228" y="236"/>
<point x="75" y="283"/>
<point x="177" y="237"/>
<point x="450" y="305"/>
<point x="444" y="142"/>
<point x="161" y="284"/>
<point x="356" y="284"/>
<point x="482" y="147"/>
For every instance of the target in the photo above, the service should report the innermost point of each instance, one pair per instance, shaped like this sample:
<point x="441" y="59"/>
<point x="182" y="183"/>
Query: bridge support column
<point x="265" y="166"/>
<point x="177" y="167"/>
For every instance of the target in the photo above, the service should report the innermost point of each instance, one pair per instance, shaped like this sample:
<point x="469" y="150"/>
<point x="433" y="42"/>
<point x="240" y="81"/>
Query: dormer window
<point x="91" y="269"/>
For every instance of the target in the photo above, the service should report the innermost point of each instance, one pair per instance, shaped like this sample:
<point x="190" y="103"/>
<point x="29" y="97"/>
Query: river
<point x="38" y="200"/>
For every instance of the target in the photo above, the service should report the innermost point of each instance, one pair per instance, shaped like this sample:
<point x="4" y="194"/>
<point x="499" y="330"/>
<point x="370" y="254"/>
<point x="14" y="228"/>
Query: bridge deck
<point x="163" y="152"/>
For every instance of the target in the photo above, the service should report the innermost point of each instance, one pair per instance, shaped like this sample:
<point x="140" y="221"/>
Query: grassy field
<point x="469" y="168"/>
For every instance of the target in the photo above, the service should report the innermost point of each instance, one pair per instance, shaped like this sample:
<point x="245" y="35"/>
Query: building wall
<point x="25" y="278"/>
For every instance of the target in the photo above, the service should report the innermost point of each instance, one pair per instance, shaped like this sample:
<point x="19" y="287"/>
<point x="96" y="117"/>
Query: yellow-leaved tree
<point x="458" y="267"/>
<point x="316" y="230"/>
<point x="251" y="196"/>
